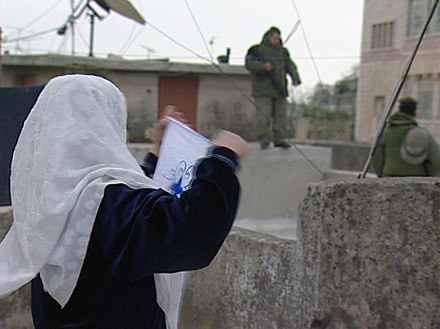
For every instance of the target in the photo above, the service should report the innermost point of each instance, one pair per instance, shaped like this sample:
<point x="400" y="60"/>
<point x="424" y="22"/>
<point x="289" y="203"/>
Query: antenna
<point x="149" y="51"/>
<point x="122" y="7"/>
<point x="211" y="43"/>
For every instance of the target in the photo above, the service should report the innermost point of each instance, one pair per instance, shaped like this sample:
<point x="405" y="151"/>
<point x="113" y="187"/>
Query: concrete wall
<point x="254" y="282"/>
<point x="367" y="256"/>
<point x="141" y="90"/>
<point x="350" y="156"/>
<point x="223" y="103"/>
<point x="371" y="251"/>
<point x="273" y="182"/>
<point x="324" y="129"/>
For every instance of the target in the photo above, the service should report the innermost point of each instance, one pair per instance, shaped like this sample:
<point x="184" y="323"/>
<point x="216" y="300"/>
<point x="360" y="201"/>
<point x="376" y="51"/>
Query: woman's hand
<point x="170" y="111"/>
<point x="231" y="141"/>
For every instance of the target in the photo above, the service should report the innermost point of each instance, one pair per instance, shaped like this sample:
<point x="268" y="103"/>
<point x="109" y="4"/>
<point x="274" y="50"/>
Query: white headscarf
<point x="71" y="147"/>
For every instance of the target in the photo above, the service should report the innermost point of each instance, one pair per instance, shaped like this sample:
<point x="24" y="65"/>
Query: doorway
<point x="181" y="92"/>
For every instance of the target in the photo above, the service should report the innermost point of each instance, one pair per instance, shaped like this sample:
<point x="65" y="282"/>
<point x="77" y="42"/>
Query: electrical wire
<point x="35" y="20"/>
<point x="132" y="41"/>
<point x="31" y="36"/>
<point x="62" y="44"/>
<point x="81" y="36"/>
<point x="177" y="42"/>
<point x="307" y="42"/>
<point x="127" y="41"/>
<point x="200" y="31"/>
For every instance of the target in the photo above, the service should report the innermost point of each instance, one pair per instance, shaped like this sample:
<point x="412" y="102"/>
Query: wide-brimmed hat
<point x="415" y="145"/>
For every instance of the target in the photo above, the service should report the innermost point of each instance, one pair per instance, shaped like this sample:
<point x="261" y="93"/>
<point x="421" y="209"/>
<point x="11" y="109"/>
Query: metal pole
<point x="396" y="94"/>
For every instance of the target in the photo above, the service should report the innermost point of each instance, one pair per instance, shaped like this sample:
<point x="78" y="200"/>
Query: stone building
<point x="210" y="97"/>
<point x="390" y="33"/>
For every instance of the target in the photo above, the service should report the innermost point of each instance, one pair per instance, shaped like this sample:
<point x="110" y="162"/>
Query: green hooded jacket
<point x="274" y="83"/>
<point x="387" y="160"/>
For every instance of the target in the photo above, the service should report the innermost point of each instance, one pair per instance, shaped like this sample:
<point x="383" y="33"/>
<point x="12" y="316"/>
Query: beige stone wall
<point x="381" y="69"/>
<point x="142" y="93"/>
<point x="324" y="129"/>
<point x="223" y="102"/>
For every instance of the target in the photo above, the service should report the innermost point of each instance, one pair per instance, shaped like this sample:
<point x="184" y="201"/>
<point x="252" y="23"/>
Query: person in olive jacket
<point x="268" y="63"/>
<point x="405" y="149"/>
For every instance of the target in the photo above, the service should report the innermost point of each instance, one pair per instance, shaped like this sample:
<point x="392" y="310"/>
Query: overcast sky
<point x="331" y="28"/>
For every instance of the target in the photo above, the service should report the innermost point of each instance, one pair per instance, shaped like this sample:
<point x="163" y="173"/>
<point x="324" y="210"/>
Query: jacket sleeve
<point x="253" y="63"/>
<point x="149" y="164"/>
<point x="141" y="232"/>
<point x="292" y="70"/>
<point x="432" y="163"/>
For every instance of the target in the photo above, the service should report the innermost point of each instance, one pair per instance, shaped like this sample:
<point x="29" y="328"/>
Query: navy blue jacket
<point x="138" y="233"/>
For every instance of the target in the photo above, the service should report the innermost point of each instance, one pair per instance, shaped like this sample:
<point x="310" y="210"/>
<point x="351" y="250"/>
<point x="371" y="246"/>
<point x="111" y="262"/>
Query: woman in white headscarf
<point x="90" y="227"/>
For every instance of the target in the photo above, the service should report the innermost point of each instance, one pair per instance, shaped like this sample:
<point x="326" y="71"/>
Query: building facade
<point x="390" y="33"/>
<point x="210" y="97"/>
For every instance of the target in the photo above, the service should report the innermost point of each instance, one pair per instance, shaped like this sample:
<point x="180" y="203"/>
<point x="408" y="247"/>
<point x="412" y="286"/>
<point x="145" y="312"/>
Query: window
<point x="379" y="106"/>
<point x="382" y="35"/>
<point x="425" y="97"/>
<point x="418" y="14"/>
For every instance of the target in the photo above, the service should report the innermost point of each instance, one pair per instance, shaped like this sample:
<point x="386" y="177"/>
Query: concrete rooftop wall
<point x="367" y="256"/>
<point x="252" y="283"/>
<point x="371" y="251"/>
<point x="273" y="181"/>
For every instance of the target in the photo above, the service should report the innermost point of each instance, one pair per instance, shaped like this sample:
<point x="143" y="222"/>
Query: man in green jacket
<point x="404" y="149"/>
<point x="268" y="63"/>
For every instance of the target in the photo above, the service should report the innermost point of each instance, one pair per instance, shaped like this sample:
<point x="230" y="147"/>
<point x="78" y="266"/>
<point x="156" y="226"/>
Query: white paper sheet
<point x="181" y="148"/>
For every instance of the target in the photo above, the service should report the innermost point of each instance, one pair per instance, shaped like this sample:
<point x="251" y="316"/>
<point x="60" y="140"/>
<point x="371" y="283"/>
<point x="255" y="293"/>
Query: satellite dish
<point x="122" y="7"/>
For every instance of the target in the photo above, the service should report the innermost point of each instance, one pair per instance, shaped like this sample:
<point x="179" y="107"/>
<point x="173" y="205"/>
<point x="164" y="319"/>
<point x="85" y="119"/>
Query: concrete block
<point x="371" y="253"/>
<point x="350" y="156"/>
<point x="252" y="283"/>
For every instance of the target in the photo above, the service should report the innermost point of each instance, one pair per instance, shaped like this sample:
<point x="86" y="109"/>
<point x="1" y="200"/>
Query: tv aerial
<point x="122" y="7"/>
<point x="149" y="50"/>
